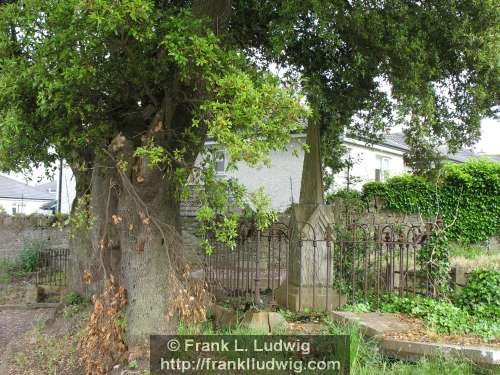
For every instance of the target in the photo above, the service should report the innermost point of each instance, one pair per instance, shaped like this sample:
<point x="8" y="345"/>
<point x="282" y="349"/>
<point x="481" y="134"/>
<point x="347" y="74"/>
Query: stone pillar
<point x="311" y="188"/>
<point x="310" y="268"/>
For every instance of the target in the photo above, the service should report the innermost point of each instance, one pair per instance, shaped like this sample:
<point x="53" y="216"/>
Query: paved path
<point x="14" y="323"/>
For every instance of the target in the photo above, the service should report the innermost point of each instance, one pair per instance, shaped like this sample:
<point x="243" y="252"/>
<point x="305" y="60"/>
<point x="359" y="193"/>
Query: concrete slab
<point x="381" y="325"/>
<point x="264" y="321"/>
<point x="30" y="306"/>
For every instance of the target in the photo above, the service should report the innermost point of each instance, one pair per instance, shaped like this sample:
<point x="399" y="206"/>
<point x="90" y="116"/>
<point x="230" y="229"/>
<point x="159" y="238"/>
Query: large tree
<point x="127" y="91"/>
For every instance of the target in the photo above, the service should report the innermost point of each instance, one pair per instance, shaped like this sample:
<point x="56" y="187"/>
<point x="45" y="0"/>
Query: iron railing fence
<point x="254" y="269"/>
<point x="354" y="263"/>
<point x="52" y="267"/>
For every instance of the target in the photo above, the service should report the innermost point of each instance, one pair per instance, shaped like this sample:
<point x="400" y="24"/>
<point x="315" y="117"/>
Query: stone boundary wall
<point x="15" y="231"/>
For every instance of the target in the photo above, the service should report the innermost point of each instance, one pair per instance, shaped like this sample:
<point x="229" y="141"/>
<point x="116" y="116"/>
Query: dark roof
<point x="46" y="187"/>
<point x="49" y="206"/>
<point x="397" y="140"/>
<point x="462" y="156"/>
<point x="13" y="189"/>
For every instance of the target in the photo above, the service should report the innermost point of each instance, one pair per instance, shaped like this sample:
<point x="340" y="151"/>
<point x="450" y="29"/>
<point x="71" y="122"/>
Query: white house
<point x="19" y="198"/>
<point x="282" y="179"/>
<point x="375" y="162"/>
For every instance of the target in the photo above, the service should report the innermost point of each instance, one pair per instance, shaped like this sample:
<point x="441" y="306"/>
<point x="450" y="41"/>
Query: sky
<point x="490" y="137"/>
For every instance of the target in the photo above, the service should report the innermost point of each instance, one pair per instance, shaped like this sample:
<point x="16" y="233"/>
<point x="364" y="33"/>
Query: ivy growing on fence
<point x="466" y="197"/>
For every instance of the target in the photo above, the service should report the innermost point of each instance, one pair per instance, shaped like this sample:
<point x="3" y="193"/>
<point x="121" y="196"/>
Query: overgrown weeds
<point x="366" y="359"/>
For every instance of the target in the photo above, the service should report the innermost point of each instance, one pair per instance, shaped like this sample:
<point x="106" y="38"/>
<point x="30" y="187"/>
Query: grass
<point x="10" y="270"/>
<point x="46" y="351"/>
<point x="473" y="256"/>
<point x="366" y="358"/>
<point x="482" y="261"/>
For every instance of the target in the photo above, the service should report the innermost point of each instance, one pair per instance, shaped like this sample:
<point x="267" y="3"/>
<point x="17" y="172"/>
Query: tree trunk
<point x="148" y="240"/>
<point x="133" y="236"/>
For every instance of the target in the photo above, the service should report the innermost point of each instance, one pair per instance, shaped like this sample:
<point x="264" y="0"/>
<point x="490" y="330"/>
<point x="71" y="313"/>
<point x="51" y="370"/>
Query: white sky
<point x="490" y="137"/>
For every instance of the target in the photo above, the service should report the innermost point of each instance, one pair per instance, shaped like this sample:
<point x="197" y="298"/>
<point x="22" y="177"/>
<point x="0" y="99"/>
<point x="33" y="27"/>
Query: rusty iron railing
<point x="254" y="269"/>
<point x="359" y="262"/>
<point x="52" y="267"/>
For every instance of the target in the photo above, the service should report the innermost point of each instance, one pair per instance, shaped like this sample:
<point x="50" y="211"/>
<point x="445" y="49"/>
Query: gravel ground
<point x="14" y="323"/>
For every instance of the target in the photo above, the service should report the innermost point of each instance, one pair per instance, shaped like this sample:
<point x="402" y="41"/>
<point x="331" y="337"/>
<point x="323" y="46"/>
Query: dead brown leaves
<point x="191" y="301"/>
<point x="87" y="277"/>
<point x="103" y="344"/>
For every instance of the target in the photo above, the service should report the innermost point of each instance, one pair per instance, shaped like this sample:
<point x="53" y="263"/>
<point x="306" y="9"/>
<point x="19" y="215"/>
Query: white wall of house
<point x="22" y="206"/>
<point x="280" y="180"/>
<point x="68" y="191"/>
<point x="371" y="163"/>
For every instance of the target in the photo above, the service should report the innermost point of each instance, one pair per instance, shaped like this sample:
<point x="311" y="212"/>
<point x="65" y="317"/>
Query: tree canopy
<point x="440" y="60"/>
<point x="76" y="73"/>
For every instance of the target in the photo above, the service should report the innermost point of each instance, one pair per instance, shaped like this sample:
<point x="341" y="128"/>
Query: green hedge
<point x="466" y="197"/>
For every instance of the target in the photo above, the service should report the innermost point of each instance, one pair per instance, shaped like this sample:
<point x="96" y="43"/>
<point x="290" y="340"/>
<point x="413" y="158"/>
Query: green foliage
<point x="466" y="197"/>
<point x="350" y="202"/>
<point x="443" y="316"/>
<point x="339" y="46"/>
<point x="260" y="209"/>
<point x="435" y="259"/>
<point x="29" y="256"/>
<point x="358" y="307"/>
<point x="481" y="294"/>
<point x="366" y="358"/>
<point x="7" y="269"/>
<point x="225" y="203"/>
<point x="81" y="218"/>
<point x="74" y="298"/>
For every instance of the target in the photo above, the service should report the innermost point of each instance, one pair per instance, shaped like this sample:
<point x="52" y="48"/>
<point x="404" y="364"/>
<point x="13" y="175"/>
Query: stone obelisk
<point x="310" y="269"/>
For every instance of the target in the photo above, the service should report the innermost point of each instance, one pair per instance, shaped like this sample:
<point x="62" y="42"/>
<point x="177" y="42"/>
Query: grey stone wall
<point x="15" y="231"/>
<point x="344" y="213"/>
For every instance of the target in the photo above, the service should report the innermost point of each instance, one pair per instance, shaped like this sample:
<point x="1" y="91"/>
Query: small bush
<point x="445" y="317"/>
<point x="28" y="259"/>
<point x="73" y="298"/>
<point x="481" y="294"/>
<point x="7" y="268"/>
<point x="441" y="316"/>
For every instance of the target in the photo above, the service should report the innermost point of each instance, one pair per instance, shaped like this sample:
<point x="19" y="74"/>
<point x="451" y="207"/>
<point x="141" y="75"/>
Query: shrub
<point x="481" y="294"/>
<point x="29" y="256"/>
<point x="74" y="298"/>
<point x="466" y="196"/>
<point x="441" y="316"/>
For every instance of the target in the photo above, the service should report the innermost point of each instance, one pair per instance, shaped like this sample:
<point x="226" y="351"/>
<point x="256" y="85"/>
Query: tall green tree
<point x="439" y="60"/>
<point x="128" y="91"/>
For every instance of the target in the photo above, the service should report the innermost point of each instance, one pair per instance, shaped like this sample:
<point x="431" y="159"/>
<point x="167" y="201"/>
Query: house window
<point x="382" y="168"/>
<point x="18" y="208"/>
<point x="220" y="162"/>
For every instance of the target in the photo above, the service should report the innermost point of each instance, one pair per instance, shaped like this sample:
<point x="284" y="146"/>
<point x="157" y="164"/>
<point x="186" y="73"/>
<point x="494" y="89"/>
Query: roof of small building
<point x="397" y="140"/>
<point x="13" y="189"/>
<point x="48" y="187"/>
